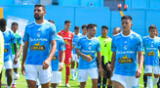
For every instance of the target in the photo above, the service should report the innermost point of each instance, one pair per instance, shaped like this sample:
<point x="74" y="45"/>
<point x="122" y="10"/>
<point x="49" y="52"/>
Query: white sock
<point x="8" y="87"/>
<point x="155" y="81"/>
<point x="149" y="82"/>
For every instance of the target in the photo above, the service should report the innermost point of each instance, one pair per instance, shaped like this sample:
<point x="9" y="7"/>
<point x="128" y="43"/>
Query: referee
<point x="105" y="43"/>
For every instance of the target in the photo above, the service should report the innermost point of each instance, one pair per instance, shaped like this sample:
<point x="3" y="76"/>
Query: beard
<point x="37" y="17"/>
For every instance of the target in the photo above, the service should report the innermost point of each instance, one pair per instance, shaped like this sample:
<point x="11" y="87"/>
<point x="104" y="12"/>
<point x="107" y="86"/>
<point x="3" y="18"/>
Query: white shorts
<point x="152" y="69"/>
<point x="34" y="72"/>
<point x="126" y="81"/>
<point x="56" y="77"/>
<point x="15" y="65"/>
<point x="75" y="57"/>
<point x="8" y="64"/>
<point x="84" y="73"/>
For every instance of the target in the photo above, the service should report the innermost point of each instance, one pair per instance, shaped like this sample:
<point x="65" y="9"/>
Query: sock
<point x="99" y="81"/>
<point x="145" y="80"/>
<point x="8" y="87"/>
<point x="149" y="82"/>
<point x="158" y="84"/>
<point x="155" y="81"/>
<point x="67" y="73"/>
<point x="104" y="82"/>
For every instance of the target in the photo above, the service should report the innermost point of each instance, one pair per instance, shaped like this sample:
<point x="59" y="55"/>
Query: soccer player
<point x="67" y="35"/>
<point x="9" y="39"/>
<point x="151" y="61"/>
<point x="18" y="39"/>
<point x="1" y="54"/>
<point x="116" y="30"/>
<point x="75" y="59"/>
<point x="105" y="43"/>
<point x="39" y="48"/>
<point x="84" y="30"/>
<point x="127" y="57"/>
<point x="57" y="62"/>
<point x="88" y="48"/>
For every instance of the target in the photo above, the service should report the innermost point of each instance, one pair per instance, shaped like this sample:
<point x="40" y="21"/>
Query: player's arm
<point x="113" y="61"/>
<point x="61" y="57"/>
<point x="140" y="63"/>
<point x="25" y="49"/>
<point x="86" y="57"/>
<point x="16" y="53"/>
<point x="53" y="36"/>
<point x="21" y="47"/>
<point x="140" y="50"/>
<point x="52" y="52"/>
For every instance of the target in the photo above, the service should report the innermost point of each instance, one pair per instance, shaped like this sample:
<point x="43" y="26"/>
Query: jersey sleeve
<point x="53" y="32"/>
<point x="113" y="46"/>
<point x="139" y="44"/>
<point x="98" y="48"/>
<point x="26" y="35"/>
<point x="110" y="51"/>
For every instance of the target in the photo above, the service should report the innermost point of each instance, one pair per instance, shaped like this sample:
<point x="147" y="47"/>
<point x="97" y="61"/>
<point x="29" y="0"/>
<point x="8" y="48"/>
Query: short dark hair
<point x="90" y="26"/>
<point x="3" y="22"/>
<point x="76" y="28"/>
<point x="152" y="27"/>
<point x="126" y="17"/>
<point x="14" y="23"/>
<point x="104" y="27"/>
<point x="67" y="21"/>
<point x="84" y="26"/>
<point x="39" y="5"/>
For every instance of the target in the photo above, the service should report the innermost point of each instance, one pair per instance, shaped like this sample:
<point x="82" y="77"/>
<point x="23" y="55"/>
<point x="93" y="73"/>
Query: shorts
<point x="56" y="77"/>
<point x="152" y="69"/>
<point x="126" y="81"/>
<point x="34" y="72"/>
<point x="84" y="73"/>
<point x="15" y="65"/>
<point x="8" y="64"/>
<point x="75" y="58"/>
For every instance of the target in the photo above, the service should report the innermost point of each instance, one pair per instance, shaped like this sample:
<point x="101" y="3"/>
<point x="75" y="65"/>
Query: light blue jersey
<point x="151" y="48"/>
<point x="88" y="47"/>
<point x="9" y="39"/>
<point x="126" y="48"/>
<point x="60" y="47"/>
<point x="39" y="37"/>
<point x="74" y="42"/>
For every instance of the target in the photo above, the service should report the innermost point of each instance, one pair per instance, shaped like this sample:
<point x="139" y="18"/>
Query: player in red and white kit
<point x="67" y="35"/>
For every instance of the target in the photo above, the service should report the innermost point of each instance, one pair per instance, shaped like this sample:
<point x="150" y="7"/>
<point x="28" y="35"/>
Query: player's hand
<point x="101" y="70"/>
<point x="23" y="69"/>
<point x="138" y="73"/>
<point x="46" y="64"/>
<point x="88" y="58"/>
<point x="61" y="66"/>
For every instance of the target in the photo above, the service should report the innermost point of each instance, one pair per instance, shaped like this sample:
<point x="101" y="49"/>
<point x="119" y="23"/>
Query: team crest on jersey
<point x="125" y="59"/>
<point x="151" y="53"/>
<point x="54" y="58"/>
<point x="37" y="46"/>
